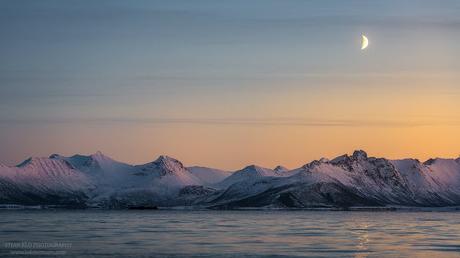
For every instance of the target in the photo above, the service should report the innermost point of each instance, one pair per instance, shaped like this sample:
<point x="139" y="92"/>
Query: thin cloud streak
<point x="241" y="121"/>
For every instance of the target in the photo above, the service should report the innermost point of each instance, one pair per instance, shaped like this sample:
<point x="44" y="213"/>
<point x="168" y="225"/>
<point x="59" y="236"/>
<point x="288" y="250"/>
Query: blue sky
<point x="169" y="62"/>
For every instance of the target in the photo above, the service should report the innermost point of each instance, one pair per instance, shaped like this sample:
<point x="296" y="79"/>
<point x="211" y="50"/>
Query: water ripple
<point x="237" y="233"/>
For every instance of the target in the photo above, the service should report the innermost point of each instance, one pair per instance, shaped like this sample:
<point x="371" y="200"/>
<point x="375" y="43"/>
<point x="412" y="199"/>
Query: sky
<point x="229" y="83"/>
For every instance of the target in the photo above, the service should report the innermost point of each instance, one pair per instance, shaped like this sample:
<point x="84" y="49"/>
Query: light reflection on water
<point x="237" y="233"/>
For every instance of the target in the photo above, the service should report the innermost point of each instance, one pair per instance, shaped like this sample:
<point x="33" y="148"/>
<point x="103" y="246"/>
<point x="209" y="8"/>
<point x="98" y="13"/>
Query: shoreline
<point x="9" y="207"/>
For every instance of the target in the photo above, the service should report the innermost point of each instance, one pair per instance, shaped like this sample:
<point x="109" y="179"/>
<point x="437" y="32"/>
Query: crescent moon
<point x="365" y="43"/>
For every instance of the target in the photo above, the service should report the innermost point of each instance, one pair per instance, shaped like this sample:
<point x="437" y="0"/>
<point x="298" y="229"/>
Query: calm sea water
<point x="172" y="233"/>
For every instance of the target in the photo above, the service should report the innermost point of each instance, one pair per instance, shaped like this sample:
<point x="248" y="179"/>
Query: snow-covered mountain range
<point x="349" y="180"/>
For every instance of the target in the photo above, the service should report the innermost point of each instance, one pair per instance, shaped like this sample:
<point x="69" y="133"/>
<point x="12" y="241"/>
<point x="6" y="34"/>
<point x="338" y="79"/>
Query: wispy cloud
<point x="243" y="121"/>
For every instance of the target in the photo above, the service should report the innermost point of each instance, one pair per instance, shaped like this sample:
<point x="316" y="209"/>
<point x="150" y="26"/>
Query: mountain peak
<point x="165" y="157"/>
<point x="25" y="162"/>
<point x="340" y="159"/>
<point x="99" y="158"/>
<point x="31" y="160"/>
<point x="43" y="162"/>
<point x="429" y="162"/>
<point x="55" y="156"/>
<point x="253" y="168"/>
<point x="345" y="160"/>
<point x="164" y="165"/>
<point x="281" y="169"/>
<point x="167" y="161"/>
<point x="312" y="164"/>
<point x="323" y="160"/>
<point x="256" y="170"/>
<point x="249" y="172"/>
<point x="359" y="155"/>
<point x="98" y="155"/>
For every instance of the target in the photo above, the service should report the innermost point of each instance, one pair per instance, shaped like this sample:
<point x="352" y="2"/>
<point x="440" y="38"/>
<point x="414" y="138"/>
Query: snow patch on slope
<point x="44" y="173"/>
<point x="248" y="173"/>
<point x="209" y="176"/>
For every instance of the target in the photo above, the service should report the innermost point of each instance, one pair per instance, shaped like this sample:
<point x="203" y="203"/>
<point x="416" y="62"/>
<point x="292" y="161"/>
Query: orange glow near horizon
<point x="385" y="123"/>
<point x="287" y="128"/>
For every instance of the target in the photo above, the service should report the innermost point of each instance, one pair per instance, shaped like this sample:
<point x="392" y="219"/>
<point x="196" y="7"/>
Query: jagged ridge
<point x="356" y="180"/>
